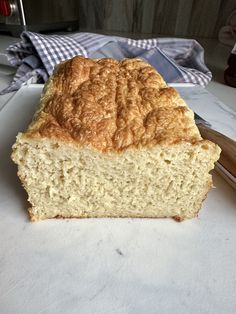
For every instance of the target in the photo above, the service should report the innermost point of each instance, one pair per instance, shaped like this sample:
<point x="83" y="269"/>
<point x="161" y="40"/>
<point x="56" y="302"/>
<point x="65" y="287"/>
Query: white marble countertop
<point x="120" y="266"/>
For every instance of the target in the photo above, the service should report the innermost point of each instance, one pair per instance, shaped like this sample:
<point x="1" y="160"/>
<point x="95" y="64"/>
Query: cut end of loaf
<point x="64" y="180"/>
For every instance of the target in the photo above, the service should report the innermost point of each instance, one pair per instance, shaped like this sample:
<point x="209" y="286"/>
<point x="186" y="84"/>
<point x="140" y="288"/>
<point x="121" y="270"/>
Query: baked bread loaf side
<point x="111" y="139"/>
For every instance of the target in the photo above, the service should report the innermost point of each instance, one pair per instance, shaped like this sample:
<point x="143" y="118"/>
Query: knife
<point x="228" y="146"/>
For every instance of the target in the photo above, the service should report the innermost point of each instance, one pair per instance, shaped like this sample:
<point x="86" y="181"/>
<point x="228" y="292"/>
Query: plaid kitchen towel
<point x="178" y="60"/>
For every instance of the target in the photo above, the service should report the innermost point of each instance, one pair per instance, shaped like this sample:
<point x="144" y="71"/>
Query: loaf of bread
<point x="111" y="139"/>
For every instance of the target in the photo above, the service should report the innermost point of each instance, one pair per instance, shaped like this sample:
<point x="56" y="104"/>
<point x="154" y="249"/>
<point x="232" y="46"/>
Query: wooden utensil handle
<point x="228" y="146"/>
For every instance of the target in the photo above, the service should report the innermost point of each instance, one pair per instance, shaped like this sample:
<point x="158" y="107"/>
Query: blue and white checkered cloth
<point x="177" y="60"/>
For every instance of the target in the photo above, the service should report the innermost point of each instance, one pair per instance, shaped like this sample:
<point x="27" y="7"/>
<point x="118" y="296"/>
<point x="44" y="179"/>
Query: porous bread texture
<point x="111" y="139"/>
<point x="68" y="181"/>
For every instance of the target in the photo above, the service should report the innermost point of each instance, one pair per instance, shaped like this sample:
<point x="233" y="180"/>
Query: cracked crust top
<point x="112" y="105"/>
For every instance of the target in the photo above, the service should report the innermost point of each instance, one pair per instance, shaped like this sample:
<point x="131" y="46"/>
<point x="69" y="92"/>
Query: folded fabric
<point x="178" y="60"/>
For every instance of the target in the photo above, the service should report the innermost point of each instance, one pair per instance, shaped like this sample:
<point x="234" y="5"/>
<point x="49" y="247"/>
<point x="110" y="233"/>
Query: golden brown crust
<point x="112" y="105"/>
